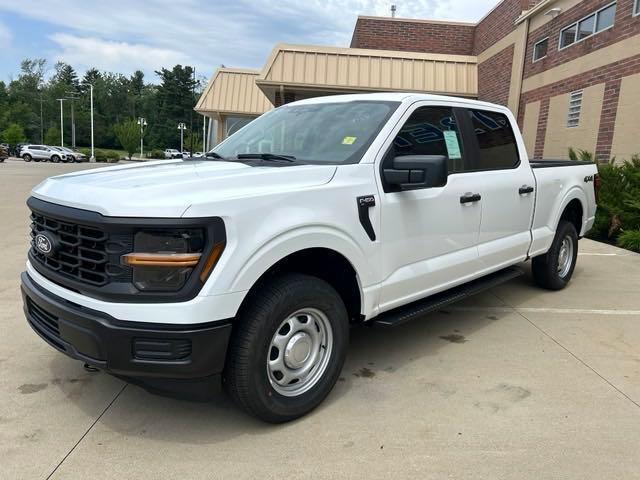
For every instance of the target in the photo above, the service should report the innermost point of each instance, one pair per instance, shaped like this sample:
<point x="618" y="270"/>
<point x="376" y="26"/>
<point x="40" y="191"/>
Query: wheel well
<point x="326" y="264"/>
<point x="573" y="213"/>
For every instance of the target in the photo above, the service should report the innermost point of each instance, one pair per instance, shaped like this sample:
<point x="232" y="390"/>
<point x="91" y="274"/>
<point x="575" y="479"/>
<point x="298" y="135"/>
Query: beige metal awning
<point x="313" y="69"/>
<point x="233" y="91"/>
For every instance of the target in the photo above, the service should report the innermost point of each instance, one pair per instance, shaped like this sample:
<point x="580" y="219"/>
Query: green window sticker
<point x="349" y="140"/>
<point x="453" y="147"/>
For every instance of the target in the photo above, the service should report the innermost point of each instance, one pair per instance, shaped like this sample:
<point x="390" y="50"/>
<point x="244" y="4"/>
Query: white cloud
<point x="126" y="35"/>
<point x="87" y="52"/>
<point x="5" y="36"/>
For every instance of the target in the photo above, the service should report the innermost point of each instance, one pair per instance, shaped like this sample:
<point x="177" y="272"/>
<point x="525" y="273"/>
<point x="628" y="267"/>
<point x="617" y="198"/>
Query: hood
<point x="167" y="188"/>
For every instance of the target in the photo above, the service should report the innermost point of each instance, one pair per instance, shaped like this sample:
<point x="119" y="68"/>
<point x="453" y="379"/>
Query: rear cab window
<point x="495" y="142"/>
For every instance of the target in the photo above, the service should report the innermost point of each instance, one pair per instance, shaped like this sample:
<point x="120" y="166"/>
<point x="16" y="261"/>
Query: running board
<point x="435" y="302"/>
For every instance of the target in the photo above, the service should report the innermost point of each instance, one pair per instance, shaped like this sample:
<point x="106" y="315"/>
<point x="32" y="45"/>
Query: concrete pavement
<point x="513" y="383"/>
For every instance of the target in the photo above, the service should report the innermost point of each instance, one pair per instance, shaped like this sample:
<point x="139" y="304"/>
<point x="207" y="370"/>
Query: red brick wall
<point x="410" y="36"/>
<point x="499" y="23"/>
<point x="494" y="77"/>
<point x="611" y="75"/>
<point x="625" y="26"/>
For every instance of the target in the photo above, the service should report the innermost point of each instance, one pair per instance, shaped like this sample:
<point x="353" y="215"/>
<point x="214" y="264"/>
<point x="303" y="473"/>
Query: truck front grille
<point x="85" y="253"/>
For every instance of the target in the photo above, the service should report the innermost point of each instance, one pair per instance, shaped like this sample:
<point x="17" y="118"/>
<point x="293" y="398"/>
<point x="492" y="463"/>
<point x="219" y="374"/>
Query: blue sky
<point x="125" y="35"/>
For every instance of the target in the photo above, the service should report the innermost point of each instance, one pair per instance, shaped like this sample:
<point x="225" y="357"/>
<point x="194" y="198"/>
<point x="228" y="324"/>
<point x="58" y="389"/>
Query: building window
<point x="575" y="106"/>
<point x="540" y="49"/>
<point x="588" y="26"/>
<point x="636" y="7"/>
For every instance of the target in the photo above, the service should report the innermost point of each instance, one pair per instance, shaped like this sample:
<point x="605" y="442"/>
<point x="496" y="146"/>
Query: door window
<point x="431" y="131"/>
<point x="497" y="148"/>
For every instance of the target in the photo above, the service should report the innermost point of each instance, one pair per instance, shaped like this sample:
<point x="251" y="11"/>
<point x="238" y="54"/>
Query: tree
<point x="14" y="134"/>
<point x="128" y="134"/>
<point x="52" y="137"/>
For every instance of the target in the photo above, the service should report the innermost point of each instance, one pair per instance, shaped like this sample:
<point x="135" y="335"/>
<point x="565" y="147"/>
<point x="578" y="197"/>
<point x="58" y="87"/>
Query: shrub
<point x="582" y="155"/>
<point x="618" y="211"/>
<point x="155" y="154"/>
<point x="630" y="240"/>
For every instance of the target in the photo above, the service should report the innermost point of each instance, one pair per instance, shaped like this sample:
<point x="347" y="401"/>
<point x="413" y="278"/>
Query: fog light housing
<point x="161" y="349"/>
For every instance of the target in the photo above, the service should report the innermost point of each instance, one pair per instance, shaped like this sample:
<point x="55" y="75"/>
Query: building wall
<point x="494" y="76"/>
<point x="413" y="35"/>
<point x="584" y="137"/>
<point x="626" y="137"/>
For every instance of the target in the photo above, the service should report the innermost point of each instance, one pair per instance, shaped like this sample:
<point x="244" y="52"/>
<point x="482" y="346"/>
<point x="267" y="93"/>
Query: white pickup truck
<point x="251" y="263"/>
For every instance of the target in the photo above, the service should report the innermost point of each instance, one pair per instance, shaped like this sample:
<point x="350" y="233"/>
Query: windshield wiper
<point x="217" y="156"/>
<point x="268" y="157"/>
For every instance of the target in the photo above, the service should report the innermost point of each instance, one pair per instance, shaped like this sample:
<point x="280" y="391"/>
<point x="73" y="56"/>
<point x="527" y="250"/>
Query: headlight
<point x="163" y="260"/>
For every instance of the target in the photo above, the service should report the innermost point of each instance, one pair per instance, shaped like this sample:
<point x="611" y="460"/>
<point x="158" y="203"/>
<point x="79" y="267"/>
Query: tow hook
<point x="90" y="368"/>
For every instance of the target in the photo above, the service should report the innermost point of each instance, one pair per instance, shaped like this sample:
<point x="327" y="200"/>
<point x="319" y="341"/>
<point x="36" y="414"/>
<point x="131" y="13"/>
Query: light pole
<point x="204" y="134"/>
<point x="61" y="122"/>
<point x="143" y="123"/>
<point x="72" y="96"/>
<point x="93" y="158"/>
<point x="182" y="127"/>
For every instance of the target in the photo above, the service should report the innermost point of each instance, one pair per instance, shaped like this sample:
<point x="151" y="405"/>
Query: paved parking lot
<point x="514" y="383"/>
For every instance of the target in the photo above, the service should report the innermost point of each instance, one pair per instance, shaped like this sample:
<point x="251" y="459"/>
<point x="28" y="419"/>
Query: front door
<point x="429" y="236"/>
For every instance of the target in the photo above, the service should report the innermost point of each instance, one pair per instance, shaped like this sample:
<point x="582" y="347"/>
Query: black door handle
<point x="525" y="189"/>
<point x="470" y="198"/>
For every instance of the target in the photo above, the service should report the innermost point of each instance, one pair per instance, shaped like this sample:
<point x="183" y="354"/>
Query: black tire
<point x="546" y="271"/>
<point x="246" y="375"/>
<point x="55" y="158"/>
<point x="26" y="157"/>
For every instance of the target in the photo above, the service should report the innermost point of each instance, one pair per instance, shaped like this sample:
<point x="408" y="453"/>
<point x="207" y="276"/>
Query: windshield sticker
<point x="453" y="147"/>
<point x="349" y="140"/>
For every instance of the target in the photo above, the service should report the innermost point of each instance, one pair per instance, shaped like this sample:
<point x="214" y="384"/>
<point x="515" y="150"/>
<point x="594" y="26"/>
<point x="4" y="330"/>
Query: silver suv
<point x="72" y="155"/>
<point x="41" y="153"/>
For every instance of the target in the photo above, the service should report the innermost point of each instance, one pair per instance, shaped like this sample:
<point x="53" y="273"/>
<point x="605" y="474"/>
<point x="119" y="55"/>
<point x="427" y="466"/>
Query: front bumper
<point x="127" y="349"/>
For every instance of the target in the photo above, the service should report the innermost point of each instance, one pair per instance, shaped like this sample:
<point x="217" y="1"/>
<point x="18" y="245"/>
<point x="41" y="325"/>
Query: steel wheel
<point x="565" y="256"/>
<point x="299" y="352"/>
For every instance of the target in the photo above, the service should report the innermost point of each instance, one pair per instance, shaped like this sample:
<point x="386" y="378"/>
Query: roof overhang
<point x="317" y="69"/>
<point x="233" y="91"/>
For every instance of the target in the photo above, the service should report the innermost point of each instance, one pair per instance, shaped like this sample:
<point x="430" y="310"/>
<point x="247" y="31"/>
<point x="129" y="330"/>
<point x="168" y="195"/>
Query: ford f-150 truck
<point x="251" y="263"/>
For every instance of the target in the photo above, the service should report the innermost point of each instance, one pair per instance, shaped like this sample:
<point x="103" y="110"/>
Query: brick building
<point x="568" y="69"/>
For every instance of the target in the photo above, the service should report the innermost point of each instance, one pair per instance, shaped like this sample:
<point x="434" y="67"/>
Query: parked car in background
<point x="72" y="155"/>
<point x="42" y="153"/>
<point x="4" y="153"/>
<point x="197" y="154"/>
<point x="172" y="153"/>
<point x="186" y="154"/>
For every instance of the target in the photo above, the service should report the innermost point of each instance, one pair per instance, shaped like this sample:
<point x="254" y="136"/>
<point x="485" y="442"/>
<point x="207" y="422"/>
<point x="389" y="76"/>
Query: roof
<point x="339" y="69"/>
<point x="400" y="97"/>
<point x="233" y="91"/>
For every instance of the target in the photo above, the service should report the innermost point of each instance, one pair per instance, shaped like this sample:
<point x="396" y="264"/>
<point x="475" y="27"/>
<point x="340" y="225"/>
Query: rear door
<point x="507" y="188"/>
<point x="429" y="236"/>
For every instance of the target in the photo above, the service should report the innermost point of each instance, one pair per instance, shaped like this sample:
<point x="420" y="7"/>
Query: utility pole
<point x="193" y="95"/>
<point x="143" y="123"/>
<point x="182" y="127"/>
<point x="61" y="122"/>
<point x="204" y="134"/>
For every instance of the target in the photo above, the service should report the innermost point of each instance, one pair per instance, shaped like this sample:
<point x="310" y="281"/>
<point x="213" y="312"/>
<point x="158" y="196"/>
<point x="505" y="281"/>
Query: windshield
<point x="325" y="133"/>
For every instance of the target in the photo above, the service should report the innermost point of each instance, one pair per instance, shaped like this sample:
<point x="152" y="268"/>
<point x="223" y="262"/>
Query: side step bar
<point x="403" y="314"/>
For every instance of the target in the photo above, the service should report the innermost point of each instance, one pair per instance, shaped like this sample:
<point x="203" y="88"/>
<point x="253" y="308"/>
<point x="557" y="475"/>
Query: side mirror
<point x="411" y="172"/>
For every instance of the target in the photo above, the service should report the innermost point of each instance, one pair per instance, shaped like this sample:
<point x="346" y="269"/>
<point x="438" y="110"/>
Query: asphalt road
<point x="515" y="383"/>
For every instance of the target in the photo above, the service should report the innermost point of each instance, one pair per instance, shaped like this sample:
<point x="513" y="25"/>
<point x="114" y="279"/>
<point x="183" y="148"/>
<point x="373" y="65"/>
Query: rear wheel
<point x="288" y="348"/>
<point x="554" y="269"/>
<point x="26" y="157"/>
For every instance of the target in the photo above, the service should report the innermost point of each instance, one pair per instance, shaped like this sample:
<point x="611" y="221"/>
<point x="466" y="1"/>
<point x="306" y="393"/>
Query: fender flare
<point x="575" y="193"/>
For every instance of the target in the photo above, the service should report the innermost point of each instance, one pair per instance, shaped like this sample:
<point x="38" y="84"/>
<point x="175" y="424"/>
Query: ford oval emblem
<point x="44" y="244"/>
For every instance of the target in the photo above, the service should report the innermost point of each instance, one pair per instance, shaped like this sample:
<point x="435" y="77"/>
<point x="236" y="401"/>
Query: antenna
<point x="393" y="11"/>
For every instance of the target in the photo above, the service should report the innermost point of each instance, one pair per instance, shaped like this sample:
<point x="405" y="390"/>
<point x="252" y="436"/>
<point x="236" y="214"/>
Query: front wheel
<point x="55" y="159"/>
<point x="288" y="348"/>
<point x="554" y="269"/>
<point x="26" y="157"/>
